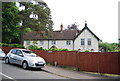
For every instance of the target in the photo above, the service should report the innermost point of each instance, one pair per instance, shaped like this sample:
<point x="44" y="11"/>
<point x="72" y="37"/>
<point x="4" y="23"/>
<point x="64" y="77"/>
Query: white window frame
<point x="82" y="41"/>
<point x="68" y="42"/>
<point x="41" y="42"/>
<point x="27" y="43"/>
<point x="89" y="42"/>
<point x="53" y="42"/>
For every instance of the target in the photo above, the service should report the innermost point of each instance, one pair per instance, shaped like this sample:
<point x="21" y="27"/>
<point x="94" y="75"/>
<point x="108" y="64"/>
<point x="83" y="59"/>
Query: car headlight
<point x="42" y="60"/>
<point x="32" y="61"/>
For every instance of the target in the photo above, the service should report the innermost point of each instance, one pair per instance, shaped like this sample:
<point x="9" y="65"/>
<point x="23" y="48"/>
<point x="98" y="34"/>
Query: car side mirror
<point x="21" y="55"/>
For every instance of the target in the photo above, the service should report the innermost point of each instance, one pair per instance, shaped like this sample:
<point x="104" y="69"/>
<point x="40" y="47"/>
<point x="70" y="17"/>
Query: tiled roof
<point x="58" y="35"/>
<point x="55" y="35"/>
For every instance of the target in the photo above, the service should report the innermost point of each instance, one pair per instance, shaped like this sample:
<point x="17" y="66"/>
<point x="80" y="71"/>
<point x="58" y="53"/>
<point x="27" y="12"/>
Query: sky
<point x="101" y="16"/>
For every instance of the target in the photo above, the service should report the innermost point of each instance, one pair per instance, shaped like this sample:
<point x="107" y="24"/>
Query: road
<point x="16" y="72"/>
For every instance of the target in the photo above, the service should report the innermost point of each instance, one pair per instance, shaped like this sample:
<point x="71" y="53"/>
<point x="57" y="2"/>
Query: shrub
<point x="4" y="44"/>
<point x="53" y="49"/>
<point x="74" y="50"/>
<point x="63" y="50"/>
<point x="41" y="48"/>
<point x="86" y="51"/>
<point x="11" y="45"/>
<point x="33" y="47"/>
<point x="16" y="45"/>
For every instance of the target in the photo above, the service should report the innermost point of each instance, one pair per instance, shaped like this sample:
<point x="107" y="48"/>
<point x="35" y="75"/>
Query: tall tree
<point x="35" y="16"/>
<point x="10" y="27"/>
<point x="72" y="26"/>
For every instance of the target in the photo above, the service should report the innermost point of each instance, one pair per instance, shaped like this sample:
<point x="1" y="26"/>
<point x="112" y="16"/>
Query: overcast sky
<point x="101" y="16"/>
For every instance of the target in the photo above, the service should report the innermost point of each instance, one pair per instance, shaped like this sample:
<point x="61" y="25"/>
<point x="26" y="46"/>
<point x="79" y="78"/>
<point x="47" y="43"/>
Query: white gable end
<point x="87" y="36"/>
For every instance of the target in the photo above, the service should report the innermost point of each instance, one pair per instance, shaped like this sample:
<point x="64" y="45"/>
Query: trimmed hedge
<point x="11" y="45"/>
<point x="63" y="49"/>
<point x="35" y="47"/>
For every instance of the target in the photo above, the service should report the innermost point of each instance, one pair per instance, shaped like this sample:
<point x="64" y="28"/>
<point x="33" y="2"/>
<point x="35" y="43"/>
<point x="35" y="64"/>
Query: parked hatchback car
<point x="25" y="58"/>
<point x="2" y="54"/>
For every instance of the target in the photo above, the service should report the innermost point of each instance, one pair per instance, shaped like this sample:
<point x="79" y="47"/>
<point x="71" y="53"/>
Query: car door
<point x="19" y="57"/>
<point x="12" y="56"/>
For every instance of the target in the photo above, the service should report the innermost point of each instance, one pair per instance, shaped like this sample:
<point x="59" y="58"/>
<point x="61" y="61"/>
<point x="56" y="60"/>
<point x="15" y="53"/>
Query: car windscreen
<point x="29" y="53"/>
<point x="1" y="51"/>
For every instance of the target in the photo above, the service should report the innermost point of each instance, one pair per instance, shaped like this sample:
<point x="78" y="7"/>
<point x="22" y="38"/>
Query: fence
<point x="101" y="62"/>
<point x="6" y="49"/>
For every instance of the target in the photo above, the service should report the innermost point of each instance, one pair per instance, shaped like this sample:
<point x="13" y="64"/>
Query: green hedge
<point x="11" y="45"/>
<point x="35" y="47"/>
<point x="63" y="49"/>
<point x="86" y="51"/>
<point x="53" y="49"/>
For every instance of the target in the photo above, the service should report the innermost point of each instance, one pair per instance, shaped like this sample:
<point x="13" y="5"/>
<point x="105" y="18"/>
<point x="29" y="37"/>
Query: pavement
<point x="77" y="74"/>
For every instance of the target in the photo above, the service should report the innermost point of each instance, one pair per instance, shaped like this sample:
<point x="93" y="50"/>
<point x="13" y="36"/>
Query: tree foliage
<point x="108" y="47"/>
<point x="11" y="17"/>
<point x="10" y="27"/>
<point x="73" y="26"/>
<point x="40" y="20"/>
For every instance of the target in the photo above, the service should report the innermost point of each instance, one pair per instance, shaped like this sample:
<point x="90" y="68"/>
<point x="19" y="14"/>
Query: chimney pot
<point x="61" y="27"/>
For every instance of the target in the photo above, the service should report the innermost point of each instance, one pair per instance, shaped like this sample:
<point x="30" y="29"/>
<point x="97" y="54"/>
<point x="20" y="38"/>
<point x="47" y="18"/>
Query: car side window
<point x="13" y="51"/>
<point x="18" y="52"/>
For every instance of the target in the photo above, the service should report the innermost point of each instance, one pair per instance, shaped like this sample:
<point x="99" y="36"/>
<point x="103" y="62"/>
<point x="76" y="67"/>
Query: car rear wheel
<point x="25" y="65"/>
<point x="7" y="60"/>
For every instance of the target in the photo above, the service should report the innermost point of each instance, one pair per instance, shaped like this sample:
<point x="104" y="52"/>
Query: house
<point x="119" y="34"/>
<point x="83" y="39"/>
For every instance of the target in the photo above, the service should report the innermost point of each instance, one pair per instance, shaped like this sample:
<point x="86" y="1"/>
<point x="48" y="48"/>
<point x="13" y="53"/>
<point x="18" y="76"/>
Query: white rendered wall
<point x="62" y="44"/>
<point x="86" y="35"/>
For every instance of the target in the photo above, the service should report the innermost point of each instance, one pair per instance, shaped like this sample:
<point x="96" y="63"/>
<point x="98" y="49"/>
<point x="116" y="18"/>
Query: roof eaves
<point x="88" y="30"/>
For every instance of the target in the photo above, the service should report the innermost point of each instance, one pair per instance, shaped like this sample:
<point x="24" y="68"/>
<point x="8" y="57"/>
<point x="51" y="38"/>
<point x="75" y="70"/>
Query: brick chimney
<point x="61" y="27"/>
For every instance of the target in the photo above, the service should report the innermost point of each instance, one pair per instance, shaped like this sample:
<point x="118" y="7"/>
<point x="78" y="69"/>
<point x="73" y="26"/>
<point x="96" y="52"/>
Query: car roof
<point x="20" y="49"/>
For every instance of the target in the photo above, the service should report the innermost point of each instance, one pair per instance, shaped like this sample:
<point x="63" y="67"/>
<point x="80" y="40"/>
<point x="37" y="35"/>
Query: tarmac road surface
<point x="16" y="73"/>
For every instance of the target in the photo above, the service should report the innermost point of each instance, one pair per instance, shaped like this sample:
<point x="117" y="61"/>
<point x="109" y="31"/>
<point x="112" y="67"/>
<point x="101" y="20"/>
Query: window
<point x="68" y="42"/>
<point x="82" y="41"/>
<point x="53" y="42"/>
<point x="13" y="51"/>
<point x="27" y="51"/>
<point x="89" y="42"/>
<point x="27" y="42"/>
<point x="41" y="42"/>
<point x="119" y="40"/>
<point x="18" y="52"/>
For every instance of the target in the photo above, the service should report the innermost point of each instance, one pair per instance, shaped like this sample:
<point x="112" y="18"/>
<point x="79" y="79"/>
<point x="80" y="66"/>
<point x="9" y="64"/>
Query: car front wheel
<point x="25" y="65"/>
<point x="7" y="60"/>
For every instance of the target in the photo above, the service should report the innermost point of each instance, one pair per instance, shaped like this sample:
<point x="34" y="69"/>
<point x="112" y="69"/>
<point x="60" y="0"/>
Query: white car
<point x="2" y="54"/>
<point x="25" y="58"/>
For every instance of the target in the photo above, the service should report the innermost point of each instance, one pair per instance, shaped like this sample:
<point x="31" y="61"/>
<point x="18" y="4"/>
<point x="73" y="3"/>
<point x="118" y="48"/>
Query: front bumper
<point x="37" y="65"/>
<point x="2" y="58"/>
